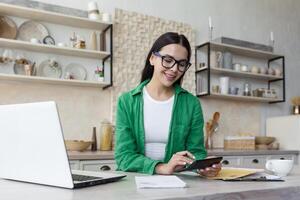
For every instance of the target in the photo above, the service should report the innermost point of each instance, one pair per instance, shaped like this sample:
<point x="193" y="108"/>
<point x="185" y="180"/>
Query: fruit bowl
<point x="77" y="145"/>
<point x="259" y="140"/>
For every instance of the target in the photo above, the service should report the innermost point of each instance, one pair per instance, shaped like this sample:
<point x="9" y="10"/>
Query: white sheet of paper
<point x="159" y="181"/>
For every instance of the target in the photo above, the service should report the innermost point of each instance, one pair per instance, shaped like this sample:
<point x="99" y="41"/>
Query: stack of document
<point x="159" y="181"/>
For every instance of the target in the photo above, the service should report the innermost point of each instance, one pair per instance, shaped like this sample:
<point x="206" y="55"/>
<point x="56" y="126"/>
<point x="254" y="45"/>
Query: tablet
<point x="201" y="164"/>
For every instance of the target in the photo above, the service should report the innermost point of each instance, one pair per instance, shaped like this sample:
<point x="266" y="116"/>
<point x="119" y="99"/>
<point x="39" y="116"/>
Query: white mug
<point x="280" y="167"/>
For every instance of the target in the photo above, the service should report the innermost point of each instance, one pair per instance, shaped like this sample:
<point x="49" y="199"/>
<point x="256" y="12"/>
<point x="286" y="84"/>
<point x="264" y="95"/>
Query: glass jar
<point x="106" y="136"/>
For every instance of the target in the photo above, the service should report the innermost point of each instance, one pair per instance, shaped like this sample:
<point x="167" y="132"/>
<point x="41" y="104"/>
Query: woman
<point x="159" y="126"/>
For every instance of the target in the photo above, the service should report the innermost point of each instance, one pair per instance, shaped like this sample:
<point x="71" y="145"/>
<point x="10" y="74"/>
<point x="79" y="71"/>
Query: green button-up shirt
<point x="185" y="132"/>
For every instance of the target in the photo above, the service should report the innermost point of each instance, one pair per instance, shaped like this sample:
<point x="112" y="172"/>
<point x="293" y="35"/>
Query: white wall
<point x="242" y="19"/>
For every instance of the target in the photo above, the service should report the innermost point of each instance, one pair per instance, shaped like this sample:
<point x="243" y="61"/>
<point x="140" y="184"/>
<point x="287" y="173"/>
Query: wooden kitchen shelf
<point x="243" y="51"/>
<point x="231" y="72"/>
<point x="52" y="17"/>
<point x="43" y="48"/>
<point x="241" y="98"/>
<point x="39" y="79"/>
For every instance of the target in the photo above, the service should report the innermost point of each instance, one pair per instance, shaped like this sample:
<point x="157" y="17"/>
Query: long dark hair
<point x="164" y="40"/>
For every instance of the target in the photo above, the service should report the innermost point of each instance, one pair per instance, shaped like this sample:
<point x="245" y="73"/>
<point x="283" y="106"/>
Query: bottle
<point x="94" y="140"/>
<point x="106" y="136"/>
<point x="93" y="41"/>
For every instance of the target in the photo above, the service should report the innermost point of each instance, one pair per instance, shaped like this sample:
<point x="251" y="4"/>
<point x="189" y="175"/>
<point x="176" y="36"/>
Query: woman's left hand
<point x="211" y="171"/>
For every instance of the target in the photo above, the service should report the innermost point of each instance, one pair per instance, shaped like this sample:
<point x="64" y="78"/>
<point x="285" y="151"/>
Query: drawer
<point x="282" y="157"/>
<point x="103" y="165"/>
<point x="254" y="161"/>
<point x="229" y="161"/>
<point x="75" y="164"/>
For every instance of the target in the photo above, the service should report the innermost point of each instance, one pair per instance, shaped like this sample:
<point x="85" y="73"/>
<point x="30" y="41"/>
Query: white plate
<point x="48" y="69"/>
<point x="77" y="71"/>
<point x="32" y="29"/>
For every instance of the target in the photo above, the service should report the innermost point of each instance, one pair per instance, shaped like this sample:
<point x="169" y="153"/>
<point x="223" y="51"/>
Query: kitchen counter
<point x="197" y="188"/>
<point x="109" y="155"/>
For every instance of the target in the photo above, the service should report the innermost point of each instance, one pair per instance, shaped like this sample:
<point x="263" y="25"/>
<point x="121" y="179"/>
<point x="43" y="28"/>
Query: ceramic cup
<point x="234" y="90"/>
<point x="244" y="68"/>
<point x="280" y="167"/>
<point x="237" y="67"/>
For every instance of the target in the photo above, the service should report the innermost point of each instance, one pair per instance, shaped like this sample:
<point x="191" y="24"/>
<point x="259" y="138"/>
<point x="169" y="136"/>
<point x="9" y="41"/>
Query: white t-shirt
<point x="157" y="118"/>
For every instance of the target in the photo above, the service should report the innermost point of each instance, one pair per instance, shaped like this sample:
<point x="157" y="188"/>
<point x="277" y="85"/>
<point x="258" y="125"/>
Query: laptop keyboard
<point x="77" y="177"/>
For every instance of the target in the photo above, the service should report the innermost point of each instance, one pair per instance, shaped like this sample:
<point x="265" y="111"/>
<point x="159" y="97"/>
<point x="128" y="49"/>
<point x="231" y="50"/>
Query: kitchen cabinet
<point x="255" y="161"/>
<point x="207" y="76"/>
<point x="105" y="55"/>
<point x="93" y="165"/>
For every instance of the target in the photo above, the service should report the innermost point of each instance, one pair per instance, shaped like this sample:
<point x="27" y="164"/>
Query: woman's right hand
<point x="178" y="161"/>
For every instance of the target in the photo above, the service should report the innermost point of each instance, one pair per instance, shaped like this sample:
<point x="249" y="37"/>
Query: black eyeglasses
<point x="168" y="62"/>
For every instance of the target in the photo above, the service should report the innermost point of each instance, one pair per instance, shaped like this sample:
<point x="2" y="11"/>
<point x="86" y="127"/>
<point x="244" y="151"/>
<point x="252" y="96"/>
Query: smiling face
<point x="167" y="77"/>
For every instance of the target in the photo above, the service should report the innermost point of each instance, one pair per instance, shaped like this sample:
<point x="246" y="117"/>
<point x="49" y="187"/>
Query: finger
<point x="186" y="153"/>
<point x="183" y="158"/>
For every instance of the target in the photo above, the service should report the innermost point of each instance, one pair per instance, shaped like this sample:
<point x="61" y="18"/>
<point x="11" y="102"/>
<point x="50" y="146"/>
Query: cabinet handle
<point x="105" y="168"/>
<point x="282" y="158"/>
<point x="225" y="162"/>
<point x="255" y="161"/>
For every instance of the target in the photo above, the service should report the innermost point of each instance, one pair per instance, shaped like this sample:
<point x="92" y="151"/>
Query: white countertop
<point x="109" y="155"/>
<point x="126" y="189"/>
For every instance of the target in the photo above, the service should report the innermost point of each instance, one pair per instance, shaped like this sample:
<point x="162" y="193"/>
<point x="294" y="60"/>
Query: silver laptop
<point x="32" y="148"/>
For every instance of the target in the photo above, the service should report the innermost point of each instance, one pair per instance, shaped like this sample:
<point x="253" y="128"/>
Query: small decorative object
<point x="8" y="56"/>
<point x="106" y="17"/>
<point x="262" y="70"/>
<point x="99" y="74"/>
<point x="215" y="89"/>
<point x="93" y="41"/>
<point x="237" y="67"/>
<point x="296" y="105"/>
<point x="93" y="11"/>
<point x="227" y="60"/>
<point x="106" y="136"/>
<point x="200" y="66"/>
<point x="259" y="92"/>
<point x="254" y="69"/>
<point x="80" y="44"/>
<point x="49" y="40"/>
<point x="224" y="85"/>
<point x="212" y="127"/>
<point x="20" y="59"/>
<point x="247" y="89"/>
<point x="271" y="71"/>
<point x="73" y="40"/>
<point x="278" y="72"/>
<point x="28" y="68"/>
<point x="94" y="140"/>
<point x="234" y="90"/>
<point x="216" y="59"/>
<point x="244" y="68"/>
